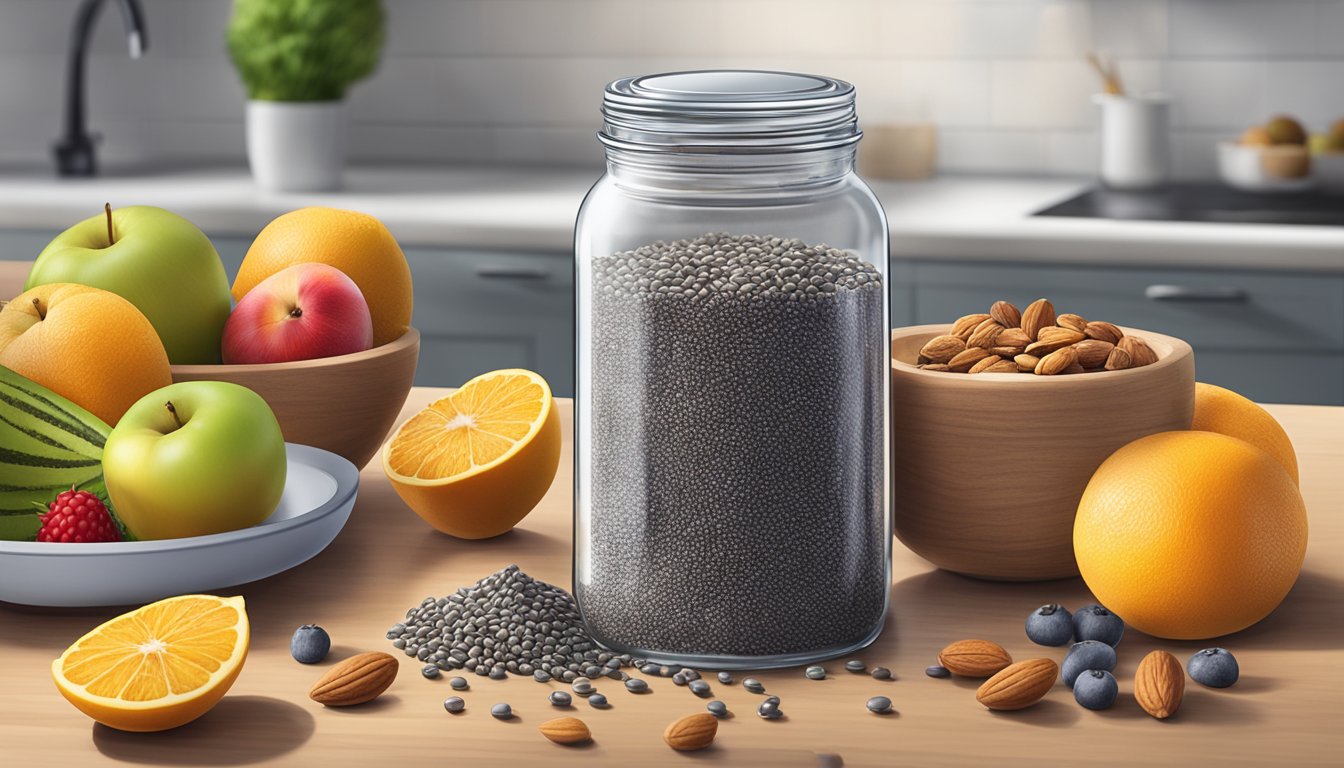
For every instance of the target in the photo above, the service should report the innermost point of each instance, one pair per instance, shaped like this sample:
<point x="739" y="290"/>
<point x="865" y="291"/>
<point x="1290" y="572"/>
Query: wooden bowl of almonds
<point x="999" y="421"/>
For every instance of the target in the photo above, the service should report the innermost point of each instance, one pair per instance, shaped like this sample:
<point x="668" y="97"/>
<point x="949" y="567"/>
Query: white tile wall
<point x="520" y="81"/>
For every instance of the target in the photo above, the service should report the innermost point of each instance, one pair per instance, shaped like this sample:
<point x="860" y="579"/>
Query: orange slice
<point x="473" y="464"/>
<point x="159" y="666"/>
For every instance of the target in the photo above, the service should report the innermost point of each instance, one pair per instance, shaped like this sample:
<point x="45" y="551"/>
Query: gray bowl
<point x="320" y="491"/>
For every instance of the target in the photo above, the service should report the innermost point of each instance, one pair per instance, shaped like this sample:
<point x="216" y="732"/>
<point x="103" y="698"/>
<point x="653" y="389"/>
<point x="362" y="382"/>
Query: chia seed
<point x="505" y="623"/>
<point x="746" y="374"/>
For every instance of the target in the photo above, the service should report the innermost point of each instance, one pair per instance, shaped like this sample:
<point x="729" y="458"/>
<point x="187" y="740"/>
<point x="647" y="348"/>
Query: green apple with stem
<point x="158" y="261"/>
<point x="195" y="458"/>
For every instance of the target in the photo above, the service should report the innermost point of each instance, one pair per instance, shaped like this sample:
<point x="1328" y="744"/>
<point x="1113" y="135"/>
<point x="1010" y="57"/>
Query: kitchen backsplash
<point x="519" y="81"/>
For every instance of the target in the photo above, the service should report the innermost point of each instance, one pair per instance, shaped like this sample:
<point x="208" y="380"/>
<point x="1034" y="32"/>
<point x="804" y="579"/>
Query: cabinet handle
<point x="503" y="272"/>
<point x="1225" y="293"/>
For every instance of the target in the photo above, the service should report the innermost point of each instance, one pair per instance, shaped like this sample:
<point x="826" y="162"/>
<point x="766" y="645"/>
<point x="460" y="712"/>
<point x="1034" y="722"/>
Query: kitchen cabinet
<point x="480" y="310"/>
<point x="1274" y="337"/>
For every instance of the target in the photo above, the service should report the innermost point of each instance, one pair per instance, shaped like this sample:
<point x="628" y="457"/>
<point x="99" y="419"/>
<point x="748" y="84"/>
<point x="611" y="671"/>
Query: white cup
<point x="1135" y="140"/>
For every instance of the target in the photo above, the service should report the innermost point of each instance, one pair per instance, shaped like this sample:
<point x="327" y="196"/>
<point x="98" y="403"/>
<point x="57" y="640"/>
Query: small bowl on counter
<point x="989" y="467"/>
<point x="1278" y="168"/>
<point x="345" y="404"/>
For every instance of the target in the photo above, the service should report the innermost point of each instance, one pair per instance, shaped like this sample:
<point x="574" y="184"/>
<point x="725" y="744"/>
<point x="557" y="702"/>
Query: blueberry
<point x="1214" y="667"/>
<point x="937" y="671"/>
<point x="310" y="644"/>
<point x="1089" y="654"/>
<point x="1050" y="625"/>
<point x="1096" y="689"/>
<point x="1097" y="623"/>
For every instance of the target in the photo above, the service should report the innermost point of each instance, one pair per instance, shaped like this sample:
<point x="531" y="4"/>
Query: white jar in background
<point x="1135" y="140"/>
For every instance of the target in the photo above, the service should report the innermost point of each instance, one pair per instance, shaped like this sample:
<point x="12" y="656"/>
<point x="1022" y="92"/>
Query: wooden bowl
<point x="988" y="468"/>
<point x="346" y="404"/>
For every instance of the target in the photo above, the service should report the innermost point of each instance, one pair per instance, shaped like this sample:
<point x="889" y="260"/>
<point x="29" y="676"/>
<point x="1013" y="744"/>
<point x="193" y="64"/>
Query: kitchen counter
<point x="952" y="218"/>
<point x="1284" y="711"/>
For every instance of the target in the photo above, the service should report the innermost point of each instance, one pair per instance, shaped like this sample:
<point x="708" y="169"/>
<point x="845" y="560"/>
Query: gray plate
<point x="320" y="490"/>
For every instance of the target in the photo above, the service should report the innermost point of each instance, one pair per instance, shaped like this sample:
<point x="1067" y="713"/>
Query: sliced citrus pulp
<point x="159" y="666"/>
<point x="476" y="462"/>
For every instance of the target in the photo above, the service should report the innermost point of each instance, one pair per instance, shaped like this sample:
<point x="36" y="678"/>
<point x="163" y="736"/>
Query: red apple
<point x="301" y="312"/>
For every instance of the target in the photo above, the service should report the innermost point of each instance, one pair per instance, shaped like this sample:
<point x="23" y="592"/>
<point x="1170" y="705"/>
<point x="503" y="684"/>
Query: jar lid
<point x="728" y="111"/>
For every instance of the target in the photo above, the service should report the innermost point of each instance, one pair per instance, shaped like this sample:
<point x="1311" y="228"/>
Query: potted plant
<point x="296" y="59"/>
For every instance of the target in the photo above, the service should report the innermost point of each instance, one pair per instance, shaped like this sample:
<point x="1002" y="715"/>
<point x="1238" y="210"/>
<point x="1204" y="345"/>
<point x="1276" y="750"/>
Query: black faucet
<point x="75" y="151"/>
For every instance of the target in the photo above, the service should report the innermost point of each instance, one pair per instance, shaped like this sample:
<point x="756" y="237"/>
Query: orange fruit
<point x="86" y="344"/>
<point x="159" y="666"/>
<point x="1224" y="411"/>
<point x="476" y="462"/>
<point x="355" y="243"/>
<point x="1190" y="535"/>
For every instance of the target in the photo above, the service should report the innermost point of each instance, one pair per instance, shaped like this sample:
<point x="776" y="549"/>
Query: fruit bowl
<point x="345" y="404"/>
<point x="1265" y="169"/>
<point x="989" y="468"/>
<point x="320" y="490"/>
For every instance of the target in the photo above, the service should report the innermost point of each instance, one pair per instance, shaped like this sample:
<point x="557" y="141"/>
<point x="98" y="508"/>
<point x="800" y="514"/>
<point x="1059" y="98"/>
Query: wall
<point x="521" y="80"/>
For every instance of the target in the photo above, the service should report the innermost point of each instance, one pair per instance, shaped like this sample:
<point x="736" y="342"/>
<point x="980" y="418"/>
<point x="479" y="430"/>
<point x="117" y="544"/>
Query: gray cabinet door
<point x="1272" y="337"/>
<point x="478" y="311"/>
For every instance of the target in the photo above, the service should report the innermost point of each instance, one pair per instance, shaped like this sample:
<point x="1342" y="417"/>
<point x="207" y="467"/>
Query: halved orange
<point x="474" y="463"/>
<point x="159" y="666"/>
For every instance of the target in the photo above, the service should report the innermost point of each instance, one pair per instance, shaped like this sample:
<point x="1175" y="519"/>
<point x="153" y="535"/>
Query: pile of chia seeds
<point x="736" y="479"/>
<point x="506" y="622"/>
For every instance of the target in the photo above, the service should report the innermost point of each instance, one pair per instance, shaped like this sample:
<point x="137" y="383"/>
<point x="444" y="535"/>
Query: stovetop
<point x="1212" y="203"/>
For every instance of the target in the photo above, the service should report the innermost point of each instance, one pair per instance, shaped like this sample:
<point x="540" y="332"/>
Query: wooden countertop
<point x="1285" y="710"/>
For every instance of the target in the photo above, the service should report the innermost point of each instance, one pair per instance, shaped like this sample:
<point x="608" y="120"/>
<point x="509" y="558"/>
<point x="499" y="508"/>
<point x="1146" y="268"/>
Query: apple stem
<point x="173" y="411"/>
<point x="37" y="304"/>
<point x="296" y="312"/>
<point x="107" y="208"/>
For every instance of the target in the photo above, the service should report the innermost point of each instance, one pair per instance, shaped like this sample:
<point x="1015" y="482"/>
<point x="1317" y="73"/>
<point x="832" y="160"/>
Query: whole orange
<point x="89" y="345"/>
<point x="1190" y="535"/>
<point x="355" y="243"/>
<point x="1224" y="411"/>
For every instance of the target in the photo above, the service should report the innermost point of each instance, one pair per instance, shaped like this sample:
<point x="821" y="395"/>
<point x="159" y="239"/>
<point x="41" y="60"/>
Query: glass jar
<point x="731" y="420"/>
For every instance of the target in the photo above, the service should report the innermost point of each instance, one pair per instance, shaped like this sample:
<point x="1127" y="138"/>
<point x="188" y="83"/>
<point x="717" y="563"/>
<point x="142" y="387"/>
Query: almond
<point x="692" y="732"/>
<point x="1026" y="363"/>
<point x="1092" y="353"/>
<point x="963" y="362"/>
<point x="1013" y="337"/>
<point x="1159" y="684"/>
<point x="940" y="349"/>
<point x="566" y="730"/>
<point x="1072" y="322"/>
<point x="1006" y="314"/>
<point x="1038" y="314"/>
<point x="984" y="334"/>
<point x="1104" y="331"/>
<point x="1057" y="362"/>
<point x="1003" y="366"/>
<point x="1019" y="685"/>
<point x="1118" y="360"/>
<point x="1052" y="338"/>
<point x="1140" y="354"/>
<point x="935" y="367"/>
<point x="974" y="658"/>
<point x="963" y="327"/>
<point x="984" y="363"/>
<point x="358" y="679"/>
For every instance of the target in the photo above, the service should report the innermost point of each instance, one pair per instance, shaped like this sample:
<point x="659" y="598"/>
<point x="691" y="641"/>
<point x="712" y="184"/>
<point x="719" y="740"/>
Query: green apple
<point x="195" y="458"/>
<point x="158" y="261"/>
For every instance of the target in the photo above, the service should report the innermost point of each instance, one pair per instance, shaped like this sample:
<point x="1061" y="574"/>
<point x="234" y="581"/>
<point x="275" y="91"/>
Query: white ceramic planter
<point x="296" y="146"/>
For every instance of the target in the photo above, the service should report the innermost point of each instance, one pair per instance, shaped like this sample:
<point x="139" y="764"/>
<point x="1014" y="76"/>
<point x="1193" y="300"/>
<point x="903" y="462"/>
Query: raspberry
<point x="77" y="517"/>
